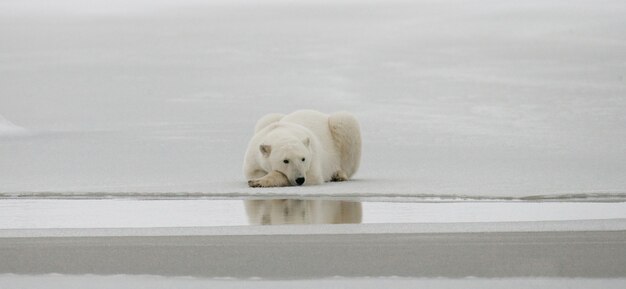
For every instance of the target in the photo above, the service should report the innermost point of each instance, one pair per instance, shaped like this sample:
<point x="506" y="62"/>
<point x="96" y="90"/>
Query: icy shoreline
<point x="305" y="193"/>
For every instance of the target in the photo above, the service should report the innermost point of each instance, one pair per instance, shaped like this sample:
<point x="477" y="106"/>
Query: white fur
<point x="329" y="144"/>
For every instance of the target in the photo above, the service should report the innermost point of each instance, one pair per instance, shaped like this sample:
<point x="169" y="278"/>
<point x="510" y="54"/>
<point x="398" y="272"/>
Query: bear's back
<point x="315" y="121"/>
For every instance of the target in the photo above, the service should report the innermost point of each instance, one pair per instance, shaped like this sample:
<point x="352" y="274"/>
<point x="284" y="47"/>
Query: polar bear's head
<point x="292" y="159"/>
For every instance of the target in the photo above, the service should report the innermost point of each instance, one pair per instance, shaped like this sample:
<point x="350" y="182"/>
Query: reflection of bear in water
<point x="303" y="148"/>
<point x="285" y="211"/>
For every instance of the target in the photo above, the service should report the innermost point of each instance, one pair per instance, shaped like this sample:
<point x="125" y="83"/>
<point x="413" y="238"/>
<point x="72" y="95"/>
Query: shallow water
<point x="126" y="213"/>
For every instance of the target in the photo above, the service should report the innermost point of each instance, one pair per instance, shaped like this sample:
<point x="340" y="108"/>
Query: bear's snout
<point x="300" y="181"/>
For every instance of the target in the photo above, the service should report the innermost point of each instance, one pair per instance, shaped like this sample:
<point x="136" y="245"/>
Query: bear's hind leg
<point x="273" y="179"/>
<point x="339" y="176"/>
<point x="347" y="137"/>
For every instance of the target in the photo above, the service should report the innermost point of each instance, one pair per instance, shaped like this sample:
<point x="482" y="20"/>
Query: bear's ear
<point x="306" y="142"/>
<point x="265" y="150"/>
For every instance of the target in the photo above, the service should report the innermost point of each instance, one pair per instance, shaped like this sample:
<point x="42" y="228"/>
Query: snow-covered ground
<point x="457" y="99"/>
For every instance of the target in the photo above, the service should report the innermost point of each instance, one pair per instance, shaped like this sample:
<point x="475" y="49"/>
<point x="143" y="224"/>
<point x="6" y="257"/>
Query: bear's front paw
<point x="273" y="179"/>
<point x="255" y="183"/>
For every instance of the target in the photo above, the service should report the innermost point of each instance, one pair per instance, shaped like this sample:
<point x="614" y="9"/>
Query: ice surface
<point x="147" y="281"/>
<point x="394" y="232"/>
<point x="574" y="249"/>
<point x="457" y="101"/>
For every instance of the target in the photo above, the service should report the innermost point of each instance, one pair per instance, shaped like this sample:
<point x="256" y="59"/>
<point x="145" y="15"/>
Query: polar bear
<point x="305" y="147"/>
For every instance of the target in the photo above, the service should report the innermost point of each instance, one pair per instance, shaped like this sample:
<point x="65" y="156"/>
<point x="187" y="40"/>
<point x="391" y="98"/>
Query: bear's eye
<point x="286" y="161"/>
<point x="303" y="159"/>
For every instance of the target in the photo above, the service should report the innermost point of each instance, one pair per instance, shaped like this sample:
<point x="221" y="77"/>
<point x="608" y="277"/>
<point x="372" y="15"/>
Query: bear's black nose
<point x="300" y="181"/>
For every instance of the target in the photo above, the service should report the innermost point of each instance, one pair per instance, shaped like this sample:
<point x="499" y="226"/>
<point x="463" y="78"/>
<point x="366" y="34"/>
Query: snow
<point x="497" y="100"/>
<point x="147" y="281"/>
<point x="8" y="129"/>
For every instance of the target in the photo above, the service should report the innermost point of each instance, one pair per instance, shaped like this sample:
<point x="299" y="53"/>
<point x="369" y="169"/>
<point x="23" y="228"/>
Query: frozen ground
<point x="491" y="99"/>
